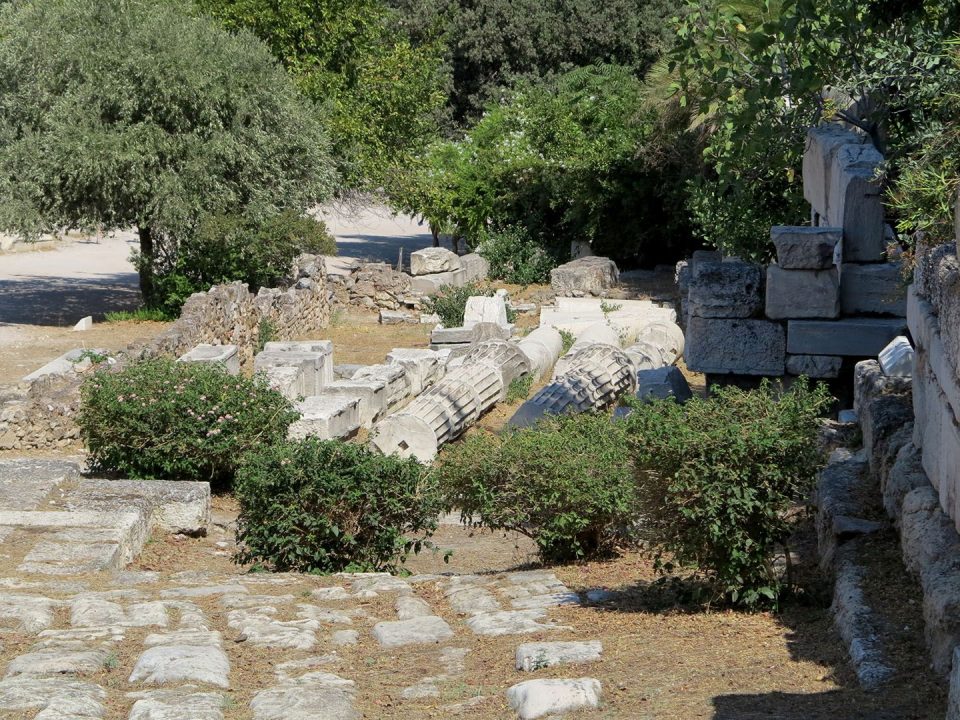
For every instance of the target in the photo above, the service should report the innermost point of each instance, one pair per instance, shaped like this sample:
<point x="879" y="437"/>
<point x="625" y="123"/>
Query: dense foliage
<point x="495" y="44"/>
<point x="760" y="73"/>
<point x="515" y="257"/>
<point x="225" y="248"/>
<point x="177" y="421"/>
<point x="573" y="159"/>
<point x="567" y="483"/>
<point x="147" y="115"/>
<point x="381" y="93"/>
<point x="717" y="478"/>
<point x="314" y="506"/>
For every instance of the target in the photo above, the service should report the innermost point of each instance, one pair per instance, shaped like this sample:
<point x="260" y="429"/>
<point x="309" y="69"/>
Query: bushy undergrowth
<point x="226" y="248"/>
<point x="179" y="421"/>
<point x="515" y="257"/>
<point x="450" y="302"/>
<point x="567" y="483"/>
<point x="718" y="476"/>
<point x="318" y="506"/>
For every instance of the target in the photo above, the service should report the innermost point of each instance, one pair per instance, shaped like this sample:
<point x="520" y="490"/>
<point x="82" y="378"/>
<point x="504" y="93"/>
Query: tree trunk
<point x="146" y="264"/>
<point x="435" y="231"/>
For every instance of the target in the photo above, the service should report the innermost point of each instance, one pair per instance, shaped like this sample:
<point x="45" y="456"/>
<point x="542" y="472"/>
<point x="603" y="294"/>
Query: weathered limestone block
<point x="870" y="382"/>
<point x="725" y="290"/>
<point x="67" y="363"/>
<point x="598" y="376"/>
<point x="806" y="248"/>
<point x="225" y="355"/>
<point x="481" y="309"/>
<point x="326" y="417"/>
<point x="433" y="260"/>
<point x="393" y="376"/>
<point x="396" y="317"/>
<point x="814" y="366"/>
<point x="585" y="276"/>
<point x="802" y="293"/>
<point x="540" y="698"/>
<point x="875" y="289"/>
<point x="823" y="143"/>
<point x="286" y="380"/>
<point x="474" y="267"/>
<point x="542" y="348"/>
<point x="538" y="655"/>
<point x="896" y="359"/>
<point x="174" y="506"/>
<point x="741" y="347"/>
<point x="855" y="202"/>
<point x="849" y="337"/>
<point x="423" y="630"/>
<point x="313" y="358"/>
<point x="423" y="367"/>
<point x="431" y="284"/>
<point x="699" y="258"/>
<point x="371" y="393"/>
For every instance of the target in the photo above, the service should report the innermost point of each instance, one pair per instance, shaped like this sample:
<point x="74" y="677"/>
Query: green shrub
<point x="227" y="248"/>
<point x="515" y="258"/>
<point x="450" y="303"/>
<point x="568" y="339"/>
<point x="330" y="506"/>
<point x="718" y="476"/>
<point x="178" y="421"/>
<point x="567" y="483"/>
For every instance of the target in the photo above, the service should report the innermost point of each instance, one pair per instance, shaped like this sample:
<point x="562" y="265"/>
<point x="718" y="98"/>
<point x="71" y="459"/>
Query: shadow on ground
<point x="383" y="248"/>
<point x="58" y="301"/>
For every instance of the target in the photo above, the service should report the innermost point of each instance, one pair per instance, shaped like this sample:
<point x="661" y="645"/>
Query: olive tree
<point x="118" y="113"/>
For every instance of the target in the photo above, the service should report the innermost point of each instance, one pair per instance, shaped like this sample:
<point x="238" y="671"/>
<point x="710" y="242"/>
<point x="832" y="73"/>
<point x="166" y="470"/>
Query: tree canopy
<point x="130" y="112"/>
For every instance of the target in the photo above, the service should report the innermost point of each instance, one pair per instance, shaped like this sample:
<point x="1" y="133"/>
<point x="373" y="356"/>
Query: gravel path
<point x="63" y="282"/>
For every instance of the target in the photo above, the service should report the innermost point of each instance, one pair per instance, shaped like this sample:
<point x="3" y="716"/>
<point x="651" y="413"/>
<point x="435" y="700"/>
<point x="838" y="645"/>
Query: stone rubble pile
<point x="831" y="294"/>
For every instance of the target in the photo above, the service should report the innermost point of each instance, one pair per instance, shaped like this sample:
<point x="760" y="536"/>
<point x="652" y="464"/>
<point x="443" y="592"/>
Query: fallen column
<point x="596" y="377"/>
<point x="542" y="348"/>
<point x="444" y="411"/>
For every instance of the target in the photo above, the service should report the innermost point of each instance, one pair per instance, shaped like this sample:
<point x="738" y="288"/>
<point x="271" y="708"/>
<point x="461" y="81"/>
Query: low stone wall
<point x="39" y="413"/>
<point x="231" y="314"/>
<point x="934" y="319"/>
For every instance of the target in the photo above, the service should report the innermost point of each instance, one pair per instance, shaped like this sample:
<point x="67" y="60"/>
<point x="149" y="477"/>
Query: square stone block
<point x="802" y="293"/>
<point x="806" y="248"/>
<point x="725" y="290"/>
<point x="741" y="347"/>
<point x="849" y="337"/>
<point x="874" y="289"/>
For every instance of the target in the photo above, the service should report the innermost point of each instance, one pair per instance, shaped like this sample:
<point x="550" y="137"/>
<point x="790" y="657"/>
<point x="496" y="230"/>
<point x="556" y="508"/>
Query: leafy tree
<point x="382" y="94"/>
<point x="147" y="115"/>
<point x="760" y="73"/>
<point x="493" y="44"/>
<point x="577" y="158"/>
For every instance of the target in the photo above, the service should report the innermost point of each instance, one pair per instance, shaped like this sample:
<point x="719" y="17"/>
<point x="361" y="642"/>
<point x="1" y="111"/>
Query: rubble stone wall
<point x="40" y="414"/>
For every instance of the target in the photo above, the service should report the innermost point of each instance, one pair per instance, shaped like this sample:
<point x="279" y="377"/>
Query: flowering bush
<point x="179" y="421"/>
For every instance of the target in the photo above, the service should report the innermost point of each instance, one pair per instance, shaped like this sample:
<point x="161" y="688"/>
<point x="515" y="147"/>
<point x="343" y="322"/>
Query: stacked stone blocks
<point x="829" y="295"/>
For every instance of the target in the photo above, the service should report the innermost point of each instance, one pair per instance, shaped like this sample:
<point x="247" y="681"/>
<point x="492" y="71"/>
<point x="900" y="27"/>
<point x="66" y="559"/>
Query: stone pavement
<point x="83" y="637"/>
